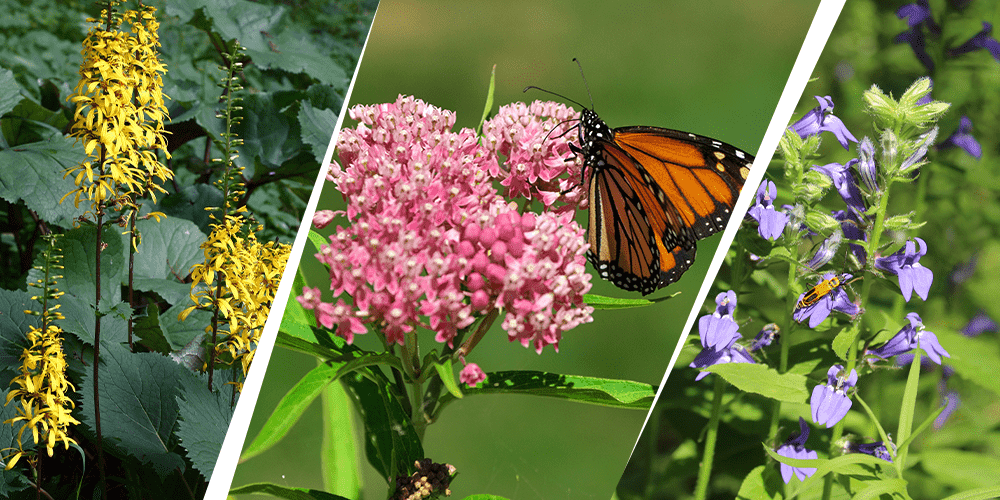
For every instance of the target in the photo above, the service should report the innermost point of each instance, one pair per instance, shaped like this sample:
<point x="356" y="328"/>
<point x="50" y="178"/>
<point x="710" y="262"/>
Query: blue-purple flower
<point x="844" y="181"/>
<point x="918" y="15"/>
<point x="795" y="447"/>
<point x="851" y="224"/>
<point x="765" y="337"/>
<point x="910" y="337"/>
<point x="835" y="300"/>
<point x="771" y="223"/>
<point x="866" y="164"/>
<point x="827" y="250"/>
<point x="981" y="40"/>
<point x="962" y="138"/>
<point x="876" y="449"/>
<point x="951" y="401"/>
<point x="829" y="402"/>
<point x="905" y="264"/>
<point x="978" y="324"/>
<point x="718" y="332"/>
<point x="821" y="119"/>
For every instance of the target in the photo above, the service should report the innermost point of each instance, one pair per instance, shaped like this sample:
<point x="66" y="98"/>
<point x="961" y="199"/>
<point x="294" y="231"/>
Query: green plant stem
<point x="410" y="356"/>
<point x="711" y="434"/>
<point x="852" y="352"/>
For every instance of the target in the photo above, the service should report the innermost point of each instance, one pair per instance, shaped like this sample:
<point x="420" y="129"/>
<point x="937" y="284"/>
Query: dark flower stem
<point x="215" y="330"/>
<point x="131" y="263"/>
<point x="97" y="333"/>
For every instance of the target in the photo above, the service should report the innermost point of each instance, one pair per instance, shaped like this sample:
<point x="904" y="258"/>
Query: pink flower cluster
<point x="432" y="244"/>
<point x="535" y="140"/>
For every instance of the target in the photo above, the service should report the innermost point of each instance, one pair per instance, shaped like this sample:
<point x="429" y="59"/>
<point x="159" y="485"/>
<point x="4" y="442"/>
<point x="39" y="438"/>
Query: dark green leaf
<point x="13" y="325"/>
<point x="391" y="443"/>
<point x="147" y="328"/>
<point x="167" y="249"/>
<point x="10" y="91"/>
<point x="34" y="173"/>
<point x="12" y="480"/>
<point x="137" y="417"/>
<point x="317" y="126"/>
<point x="180" y="333"/>
<point x="204" y="421"/>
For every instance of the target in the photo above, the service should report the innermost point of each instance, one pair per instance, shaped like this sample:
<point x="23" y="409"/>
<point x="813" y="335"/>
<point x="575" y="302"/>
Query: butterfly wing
<point x="700" y="178"/>
<point x="624" y="247"/>
<point x="654" y="193"/>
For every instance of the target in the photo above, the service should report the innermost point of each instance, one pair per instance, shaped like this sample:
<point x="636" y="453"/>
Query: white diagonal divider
<point x="819" y="32"/>
<point x="225" y="466"/>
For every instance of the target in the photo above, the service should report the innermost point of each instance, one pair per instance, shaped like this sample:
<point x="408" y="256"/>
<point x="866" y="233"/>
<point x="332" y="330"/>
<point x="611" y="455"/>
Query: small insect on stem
<point x="822" y="289"/>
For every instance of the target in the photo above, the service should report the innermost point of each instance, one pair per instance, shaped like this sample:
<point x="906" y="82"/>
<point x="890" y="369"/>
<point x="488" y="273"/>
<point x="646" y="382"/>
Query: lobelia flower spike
<point x="910" y="337"/>
<point x="431" y="243"/>
<point x="836" y="300"/>
<point x="718" y="333"/>
<point x="821" y="119"/>
<point x="41" y="386"/>
<point x="829" y="403"/>
<point x="905" y="264"/>
<point x="771" y="223"/>
<point x="795" y="447"/>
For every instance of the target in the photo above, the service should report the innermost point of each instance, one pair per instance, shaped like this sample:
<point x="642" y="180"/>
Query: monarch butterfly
<point x="821" y="289"/>
<point x="653" y="193"/>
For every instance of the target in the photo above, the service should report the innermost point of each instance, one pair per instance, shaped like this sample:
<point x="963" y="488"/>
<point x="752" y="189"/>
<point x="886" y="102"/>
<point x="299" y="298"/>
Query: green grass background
<point x="715" y="68"/>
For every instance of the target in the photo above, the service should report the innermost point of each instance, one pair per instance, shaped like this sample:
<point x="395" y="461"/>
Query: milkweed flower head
<point x="40" y="386"/>
<point x="535" y="140"/>
<point x="431" y="243"/>
<point x="120" y="110"/>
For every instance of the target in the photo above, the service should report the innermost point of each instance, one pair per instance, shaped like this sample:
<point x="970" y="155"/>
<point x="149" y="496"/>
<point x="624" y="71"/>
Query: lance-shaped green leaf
<point x="286" y="492"/>
<point x="594" y="390"/>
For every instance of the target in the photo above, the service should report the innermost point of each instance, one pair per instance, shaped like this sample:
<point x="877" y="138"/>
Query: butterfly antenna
<point x="585" y="84"/>
<point x="529" y="87"/>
